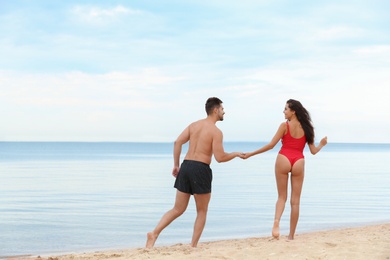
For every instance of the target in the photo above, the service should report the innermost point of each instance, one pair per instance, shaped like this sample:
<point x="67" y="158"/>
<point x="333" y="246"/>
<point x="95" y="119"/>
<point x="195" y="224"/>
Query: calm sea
<point x="78" y="197"/>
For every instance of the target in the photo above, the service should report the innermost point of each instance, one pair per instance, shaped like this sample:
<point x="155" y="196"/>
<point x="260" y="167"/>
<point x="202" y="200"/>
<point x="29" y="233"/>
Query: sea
<point x="75" y="197"/>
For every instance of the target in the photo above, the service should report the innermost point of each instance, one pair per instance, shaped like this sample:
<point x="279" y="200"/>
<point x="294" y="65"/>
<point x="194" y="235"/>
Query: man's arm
<point x="177" y="145"/>
<point x="219" y="153"/>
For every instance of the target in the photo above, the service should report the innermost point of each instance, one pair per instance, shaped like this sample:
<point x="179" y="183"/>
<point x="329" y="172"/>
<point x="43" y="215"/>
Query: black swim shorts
<point x="194" y="177"/>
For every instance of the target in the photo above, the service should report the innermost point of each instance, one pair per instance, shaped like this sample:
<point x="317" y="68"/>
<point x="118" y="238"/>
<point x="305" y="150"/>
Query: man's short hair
<point x="212" y="103"/>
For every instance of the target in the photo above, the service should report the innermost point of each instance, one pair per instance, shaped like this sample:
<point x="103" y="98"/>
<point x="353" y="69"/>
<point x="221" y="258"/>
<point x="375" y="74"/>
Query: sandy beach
<point x="368" y="242"/>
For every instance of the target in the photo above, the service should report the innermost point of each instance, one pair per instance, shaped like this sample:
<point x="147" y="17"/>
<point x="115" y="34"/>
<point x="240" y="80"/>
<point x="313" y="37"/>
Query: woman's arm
<point x="279" y="134"/>
<point x="315" y="149"/>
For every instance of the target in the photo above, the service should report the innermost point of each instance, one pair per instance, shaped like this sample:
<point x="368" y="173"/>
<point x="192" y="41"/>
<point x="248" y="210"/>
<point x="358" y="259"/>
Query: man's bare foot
<point x="290" y="237"/>
<point x="275" y="232"/>
<point x="151" y="239"/>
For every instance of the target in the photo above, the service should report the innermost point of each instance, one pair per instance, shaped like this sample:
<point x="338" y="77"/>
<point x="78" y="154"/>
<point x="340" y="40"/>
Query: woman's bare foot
<point x="275" y="230"/>
<point x="151" y="239"/>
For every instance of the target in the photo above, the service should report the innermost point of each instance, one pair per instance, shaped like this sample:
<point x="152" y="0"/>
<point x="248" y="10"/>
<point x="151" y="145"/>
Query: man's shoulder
<point x="205" y="125"/>
<point x="204" y="122"/>
<point x="200" y="121"/>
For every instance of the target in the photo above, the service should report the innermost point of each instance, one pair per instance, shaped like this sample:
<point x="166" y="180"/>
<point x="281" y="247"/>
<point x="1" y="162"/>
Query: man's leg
<point x="202" y="204"/>
<point x="180" y="206"/>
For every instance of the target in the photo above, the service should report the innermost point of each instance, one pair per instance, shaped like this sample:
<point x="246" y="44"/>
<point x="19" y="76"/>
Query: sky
<point x="141" y="71"/>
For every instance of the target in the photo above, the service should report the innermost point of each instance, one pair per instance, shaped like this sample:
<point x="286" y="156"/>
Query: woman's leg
<point x="282" y="168"/>
<point x="297" y="176"/>
<point x="180" y="206"/>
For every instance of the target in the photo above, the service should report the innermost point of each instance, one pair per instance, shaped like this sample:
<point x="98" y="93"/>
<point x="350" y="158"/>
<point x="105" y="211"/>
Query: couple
<point x="194" y="176"/>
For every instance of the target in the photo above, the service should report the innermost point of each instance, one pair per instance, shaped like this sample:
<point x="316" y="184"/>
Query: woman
<point x="294" y="133"/>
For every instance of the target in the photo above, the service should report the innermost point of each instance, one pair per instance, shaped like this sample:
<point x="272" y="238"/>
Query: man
<point x="194" y="176"/>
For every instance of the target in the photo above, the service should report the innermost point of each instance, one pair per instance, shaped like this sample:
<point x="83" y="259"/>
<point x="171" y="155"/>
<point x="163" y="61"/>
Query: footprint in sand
<point x="330" y="244"/>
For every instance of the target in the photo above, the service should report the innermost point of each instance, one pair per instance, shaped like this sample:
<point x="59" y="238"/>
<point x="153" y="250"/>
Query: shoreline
<point x="365" y="242"/>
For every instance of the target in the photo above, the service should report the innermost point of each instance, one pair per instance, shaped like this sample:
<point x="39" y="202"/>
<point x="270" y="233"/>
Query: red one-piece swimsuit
<point x="292" y="147"/>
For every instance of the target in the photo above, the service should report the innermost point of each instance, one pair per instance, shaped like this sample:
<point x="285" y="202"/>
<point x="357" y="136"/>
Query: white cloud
<point x="374" y="50"/>
<point x="98" y="15"/>
<point x="337" y="33"/>
<point x="77" y="88"/>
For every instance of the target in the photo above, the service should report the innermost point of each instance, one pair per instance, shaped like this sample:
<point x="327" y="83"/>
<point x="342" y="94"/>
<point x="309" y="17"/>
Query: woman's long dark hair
<point x="303" y="118"/>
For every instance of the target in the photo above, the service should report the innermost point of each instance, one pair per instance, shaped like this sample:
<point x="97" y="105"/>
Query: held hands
<point x="241" y="155"/>
<point x="247" y="155"/>
<point x="244" y="155"/>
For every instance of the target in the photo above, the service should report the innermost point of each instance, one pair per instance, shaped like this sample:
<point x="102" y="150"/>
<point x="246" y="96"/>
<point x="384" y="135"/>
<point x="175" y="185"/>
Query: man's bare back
<point x="202" y="134"/>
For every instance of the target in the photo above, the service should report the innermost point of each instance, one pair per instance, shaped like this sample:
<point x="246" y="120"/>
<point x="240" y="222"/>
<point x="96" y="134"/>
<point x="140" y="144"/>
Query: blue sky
<point x="142" y="70"/>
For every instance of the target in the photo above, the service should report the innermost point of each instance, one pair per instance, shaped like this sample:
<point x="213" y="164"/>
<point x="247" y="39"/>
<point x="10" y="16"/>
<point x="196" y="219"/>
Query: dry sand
<point x="369" y="242"/>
